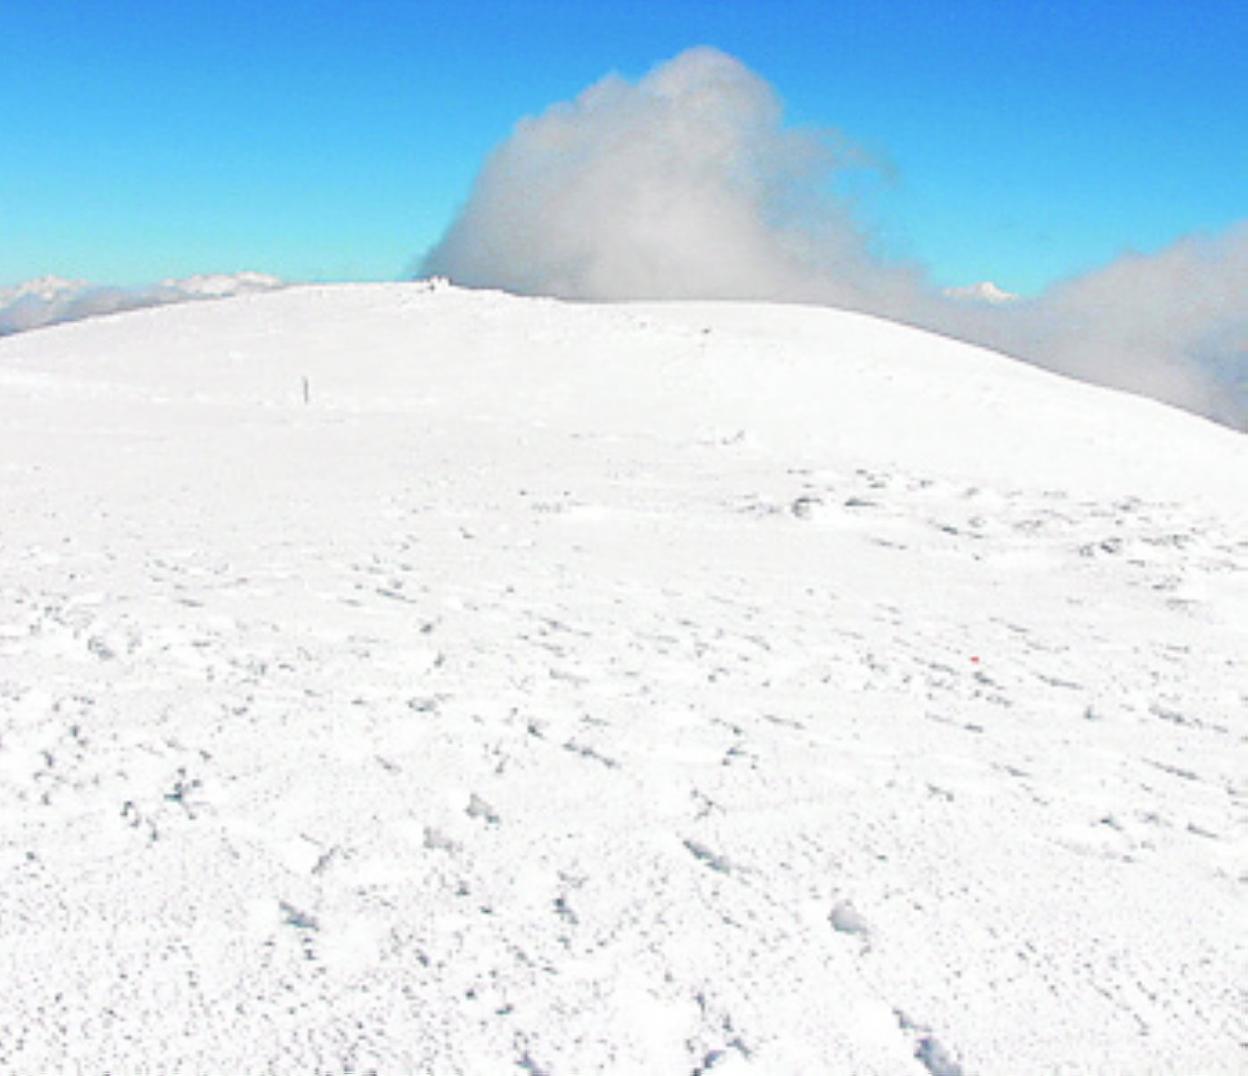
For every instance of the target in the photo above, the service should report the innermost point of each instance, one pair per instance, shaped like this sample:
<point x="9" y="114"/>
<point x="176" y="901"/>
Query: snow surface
<point x="402" y="679"/>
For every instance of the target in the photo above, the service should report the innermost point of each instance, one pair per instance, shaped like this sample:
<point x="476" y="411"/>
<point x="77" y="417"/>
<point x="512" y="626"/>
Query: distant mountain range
<point x="48" y="300"/>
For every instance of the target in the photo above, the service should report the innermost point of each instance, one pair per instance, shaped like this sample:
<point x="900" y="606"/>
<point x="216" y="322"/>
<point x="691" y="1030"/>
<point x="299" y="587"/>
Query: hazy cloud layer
<point x="51" y="300"/>
<point x="687" y="185"/>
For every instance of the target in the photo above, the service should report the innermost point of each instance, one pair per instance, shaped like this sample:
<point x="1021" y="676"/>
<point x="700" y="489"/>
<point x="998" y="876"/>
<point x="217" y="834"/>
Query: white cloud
<point x="1169" y="325"/>
<point x="687" y="184"/>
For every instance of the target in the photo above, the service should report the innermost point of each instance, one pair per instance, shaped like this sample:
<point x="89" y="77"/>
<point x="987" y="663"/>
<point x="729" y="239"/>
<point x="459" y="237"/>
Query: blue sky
<point x="1019" y="141"/>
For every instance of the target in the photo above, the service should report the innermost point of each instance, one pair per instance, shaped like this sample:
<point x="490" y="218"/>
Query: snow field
<point x="569" y="689"/>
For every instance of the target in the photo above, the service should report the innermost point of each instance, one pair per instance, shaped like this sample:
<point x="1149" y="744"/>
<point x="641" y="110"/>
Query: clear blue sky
<point x="334" y="140"/>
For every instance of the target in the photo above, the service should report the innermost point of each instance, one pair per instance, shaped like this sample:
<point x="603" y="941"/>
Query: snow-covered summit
<point x="404" y="679"/>
<point x="984" y="292"/>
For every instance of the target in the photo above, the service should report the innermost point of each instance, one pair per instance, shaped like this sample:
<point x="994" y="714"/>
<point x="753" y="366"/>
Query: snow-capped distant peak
<point x="222" y="284"/>
<point x="985" y="291"/>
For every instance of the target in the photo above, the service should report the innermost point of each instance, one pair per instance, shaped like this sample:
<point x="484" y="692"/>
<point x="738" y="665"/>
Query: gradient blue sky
<point x="316" y="140"/>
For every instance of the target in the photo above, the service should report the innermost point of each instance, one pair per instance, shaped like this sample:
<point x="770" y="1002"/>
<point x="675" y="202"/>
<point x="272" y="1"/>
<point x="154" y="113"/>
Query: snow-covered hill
<point x="404" y="679"/>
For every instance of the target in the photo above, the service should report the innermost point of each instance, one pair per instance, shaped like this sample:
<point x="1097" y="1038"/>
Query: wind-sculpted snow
<point x="573" y="689"/>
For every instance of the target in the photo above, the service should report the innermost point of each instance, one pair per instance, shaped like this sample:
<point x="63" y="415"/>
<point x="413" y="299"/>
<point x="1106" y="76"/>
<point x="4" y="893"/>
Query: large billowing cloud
<point x="687" y="184"/>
